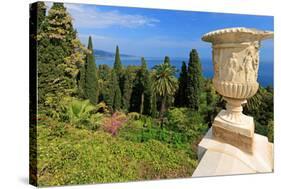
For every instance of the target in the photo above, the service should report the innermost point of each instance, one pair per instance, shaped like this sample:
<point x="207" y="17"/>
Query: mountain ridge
<point x="106" y="54"/>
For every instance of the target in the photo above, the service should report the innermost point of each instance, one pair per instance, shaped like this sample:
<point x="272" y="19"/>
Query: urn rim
<point x="229" y="35"/>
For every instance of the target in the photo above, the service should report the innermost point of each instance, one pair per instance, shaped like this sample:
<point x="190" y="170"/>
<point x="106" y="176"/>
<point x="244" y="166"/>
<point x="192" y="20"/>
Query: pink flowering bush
<point x="113" y="123"/>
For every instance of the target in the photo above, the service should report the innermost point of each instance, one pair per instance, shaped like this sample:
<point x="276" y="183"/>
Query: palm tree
<point x="164" y="83"/>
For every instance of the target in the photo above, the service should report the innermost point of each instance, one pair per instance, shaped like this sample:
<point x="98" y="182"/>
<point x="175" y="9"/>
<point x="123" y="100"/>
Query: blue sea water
<point x="265" y="76"/>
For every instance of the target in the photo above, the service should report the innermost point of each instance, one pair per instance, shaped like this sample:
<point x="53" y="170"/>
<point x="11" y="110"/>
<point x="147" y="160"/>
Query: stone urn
<point x="235" y="59"/>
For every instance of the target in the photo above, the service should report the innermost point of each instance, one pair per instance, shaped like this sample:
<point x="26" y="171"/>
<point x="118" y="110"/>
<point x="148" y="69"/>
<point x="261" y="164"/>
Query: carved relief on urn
<point x="235" y="63"/>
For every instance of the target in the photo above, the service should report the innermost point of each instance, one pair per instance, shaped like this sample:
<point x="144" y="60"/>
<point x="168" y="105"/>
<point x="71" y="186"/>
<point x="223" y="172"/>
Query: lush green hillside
<point x="81" y="156"/>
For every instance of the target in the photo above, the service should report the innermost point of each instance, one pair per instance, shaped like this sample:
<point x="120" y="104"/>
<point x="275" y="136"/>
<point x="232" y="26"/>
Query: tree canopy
<point x="164" y="83"/>
<point x="91" y="78"/>
<point x="194" y="80"/>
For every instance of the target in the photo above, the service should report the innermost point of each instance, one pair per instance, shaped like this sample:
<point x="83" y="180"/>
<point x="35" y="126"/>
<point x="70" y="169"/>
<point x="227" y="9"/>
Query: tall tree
<point x="194" y="80"/>
<point x="129" y="78"/>
<point x="154" y="111"/>
<point x="104" y="72"/>
<point x="169" y="99"/>
<point x="117" y="63"/>
<point x="181" y="95"/>
<point x="113" y="94"/>
<point x="141" y="96"/>
<point x="82" y="81"/>
<point x="91" y="78"/>
<point x="164" y="83"/>
<point x="119" y="71"/>
<point x="41" y="13"/>
<point x="60" y="54"/>
<point x="167" y="60"/>
<point x="117" y="103"/>
<point x="145" y="81"/>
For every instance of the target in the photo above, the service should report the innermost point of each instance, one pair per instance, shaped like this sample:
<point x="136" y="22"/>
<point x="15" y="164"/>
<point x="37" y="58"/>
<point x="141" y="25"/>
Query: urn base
<point x="219" y="158"/>
<point x="239" y="134"/>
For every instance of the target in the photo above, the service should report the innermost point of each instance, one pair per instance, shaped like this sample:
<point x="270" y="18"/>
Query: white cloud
<point x="92" y="17"/>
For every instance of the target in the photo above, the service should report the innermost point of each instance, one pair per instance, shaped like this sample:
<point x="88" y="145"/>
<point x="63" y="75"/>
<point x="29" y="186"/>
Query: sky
<point x="156" y="32"/>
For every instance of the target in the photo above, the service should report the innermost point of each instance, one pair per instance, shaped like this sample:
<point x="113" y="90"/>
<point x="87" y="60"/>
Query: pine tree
<point x="59" y="55"/>
<point x="181" y="95"/>
<point x="194" y="80"/>
<point x="91" y="78"/>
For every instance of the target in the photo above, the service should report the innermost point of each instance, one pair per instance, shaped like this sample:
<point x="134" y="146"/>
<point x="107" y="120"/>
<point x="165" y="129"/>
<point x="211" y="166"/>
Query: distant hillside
<point x="105" y="54"/>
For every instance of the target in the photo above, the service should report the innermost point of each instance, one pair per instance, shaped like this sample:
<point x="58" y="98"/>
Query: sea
<point x="265" y="75"/>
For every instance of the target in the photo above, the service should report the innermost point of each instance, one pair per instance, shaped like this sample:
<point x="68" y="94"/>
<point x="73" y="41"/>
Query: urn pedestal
<point x="231" y="146"/>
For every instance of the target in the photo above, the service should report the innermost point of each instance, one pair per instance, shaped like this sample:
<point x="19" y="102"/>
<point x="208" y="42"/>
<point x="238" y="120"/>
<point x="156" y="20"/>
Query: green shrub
<point x="184" y="120"/>
<point x="134" y="115"/>
<point x="96" y="121"/>
<point x="81" y="113"/>
<point x="260" y="129"/>
<point x="148" y="121"/>
<point x="82" y="157"/>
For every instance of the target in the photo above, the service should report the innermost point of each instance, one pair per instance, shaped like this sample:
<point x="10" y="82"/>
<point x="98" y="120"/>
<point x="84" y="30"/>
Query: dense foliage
<point x="194" y="80"/>
<point x="83" y="157"/>
<point x="164" y="83"/>
<point x="91" y="77"/>
<point x="141" y="101"/>
<point x="60" y="54"/>
<point x="261" y="108"/>
<point x="181" y="94"/>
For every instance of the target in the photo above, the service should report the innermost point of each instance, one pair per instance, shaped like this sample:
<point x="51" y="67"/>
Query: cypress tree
<point x="167" y="60"/>
<point x="109" y="90"/>
<point x="117" y="63"/>
<point x="117" y="99"/>
<point x="154" y="111"/>
<point x="91" y="78"/>
<point x="141" y="96"/>
<point x="194" y="80"/>
<point x="81" y="81"/>
<point x="119" y="71"/>
<point x="146" y="87"/>
<point x="113" y="93"/>
<point x="181" y="95"/>
<point x="129" y="77"/>
<point x="104" y="72"/>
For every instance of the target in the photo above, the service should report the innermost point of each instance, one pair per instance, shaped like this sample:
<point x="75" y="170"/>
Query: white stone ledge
<point x="218" y="158"/>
